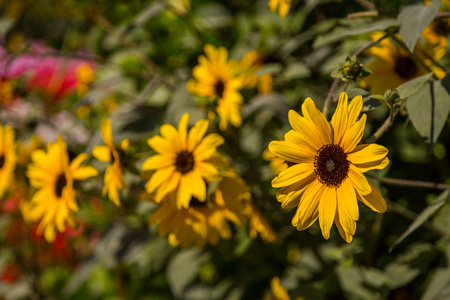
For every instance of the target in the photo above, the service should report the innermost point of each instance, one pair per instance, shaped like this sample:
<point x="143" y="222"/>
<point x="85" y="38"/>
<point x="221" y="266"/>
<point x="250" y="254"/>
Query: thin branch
<point x="413" y="183"/>
<point x="363" y="14"/>
<point x="326" y="106"/>
<point x="392" y="114"/>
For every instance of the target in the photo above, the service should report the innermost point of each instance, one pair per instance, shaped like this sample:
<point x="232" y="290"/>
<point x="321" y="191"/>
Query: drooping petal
<point x="374" y="200"/>
<point x="358" y="180"/>
<point x="327" y="211"/>
<point x="345" y="235"/>
<point x="293" y="174"/>
<point x="347" y="196"/>
<point x="102" y="153"/>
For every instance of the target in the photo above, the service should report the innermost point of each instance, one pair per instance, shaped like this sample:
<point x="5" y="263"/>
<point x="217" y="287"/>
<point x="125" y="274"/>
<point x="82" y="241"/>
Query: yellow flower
<point x="265" y="84"/>
<point x="219" y="80"/>
<point x="327" y="176"/>
<point x="259" y="224"/>
<point x="53" y="175"/>
<point x="203" y="221"/>
<point x="85" y="76"/>
<point x="114" y="172"/>
<point x="279" y="292"/>
<point x="282" y="6"/>
<point x="8" y="157"/>
<point x="392" y="66"/>
<point x="24" y="151"/>
<point x="182" y="163"/>
<point x="276" y="164"/>
<point x="250" y="63"/>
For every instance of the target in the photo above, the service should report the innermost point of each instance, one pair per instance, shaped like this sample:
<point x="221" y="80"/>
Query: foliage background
<point x="144" y="53"/>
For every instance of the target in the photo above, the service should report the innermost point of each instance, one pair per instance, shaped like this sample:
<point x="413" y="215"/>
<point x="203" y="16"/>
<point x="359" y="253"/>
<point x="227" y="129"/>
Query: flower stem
<point x="326" y="106"/>
<point x="392" y="113"/>
<point x="413" y="183"/>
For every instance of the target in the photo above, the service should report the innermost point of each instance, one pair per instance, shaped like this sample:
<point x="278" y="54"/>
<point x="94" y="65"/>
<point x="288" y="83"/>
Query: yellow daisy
<point x="114" y="172"/>
<point x="327" y="176"/>
<point x="53" y="176"/>
<point x="182" y="163"/>
<point x="392" y="66"/>
<point x="282" y="6"/>
<point x="220" y="80"/>
<point x="8" y="157"/>
<point x="259" y="224"/>
<point x="203" y="221"/>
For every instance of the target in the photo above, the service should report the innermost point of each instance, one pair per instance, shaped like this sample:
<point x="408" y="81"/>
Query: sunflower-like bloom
<point x="114" y="172"/>
<point x="6" y="91"/>
<point x="53" y="175"/>
<point x="220" y="80"/>
<point x="392" y="66"/>
<point x="8" y="157"/>
<point x="182" y="163"/>
<point x="206" y="221"/>
<point x="327" y="175"/>
<point x="282" y="6"/>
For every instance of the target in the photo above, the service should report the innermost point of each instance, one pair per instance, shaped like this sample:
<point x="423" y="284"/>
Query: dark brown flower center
<point x="184" y="162"/>
<point x="406" y="67"/>
<point x="61" y="182"/>
<point x="2" y="161"/>
<point x="441" y="27"/>
<point x="219" y="88"/>
<point x="197" y="203"/>
<point x="331" y="165"/>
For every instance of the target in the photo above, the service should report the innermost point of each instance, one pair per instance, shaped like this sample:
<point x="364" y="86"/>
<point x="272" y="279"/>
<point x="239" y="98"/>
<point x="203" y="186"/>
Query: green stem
<point x="326" y="106"/>
<point x="392" y="113"/>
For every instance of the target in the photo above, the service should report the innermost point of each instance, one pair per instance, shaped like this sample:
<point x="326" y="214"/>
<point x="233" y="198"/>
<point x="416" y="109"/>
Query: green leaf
<point x="439" y="287"/>
<point x="183" y="268"/>
<point x="429" y="107"/>
<point x="343" y="31"/>
<point x="413" y="86"/>
<point x="423" y="216"/>
<point x="413" y="20"/>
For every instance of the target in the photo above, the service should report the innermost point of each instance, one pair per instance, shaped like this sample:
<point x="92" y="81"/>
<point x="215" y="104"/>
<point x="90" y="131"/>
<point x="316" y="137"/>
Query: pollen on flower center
<point x="331" y="165"/>
<point x="184" y="162"/>
<point x="2" y="161"/>
<point x="406" y="67"/>
<point x="61" y="182"/>
<point x="219" y="88"/>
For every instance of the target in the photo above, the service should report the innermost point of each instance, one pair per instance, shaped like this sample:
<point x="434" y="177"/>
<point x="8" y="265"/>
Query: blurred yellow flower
<point x="282" y="6"/>
<point x="24" y="151"/>
<point x="328" y="178"/>
<point x="276" y="164"/>
<point x="6" y="92"/>
<point x="203" y="221"/>
<point x="249" y="64"/>
<point x="182" y="163"/>
<point x="392" y="66"/>
<point x="113" y="181"/>
<point x="259" y="224"/>
<point x="265" y="84"/>
<point x="278" y="291"/>
<point x="220" y="80"/>
<point x="53" y="175"/>
<point x="8" y="157"/>
<point x="85" y="76"/>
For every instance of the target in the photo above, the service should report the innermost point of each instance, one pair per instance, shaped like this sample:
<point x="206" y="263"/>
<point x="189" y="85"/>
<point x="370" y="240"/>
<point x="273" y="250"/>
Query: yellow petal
<point x="358" y="180"/>
<point x="184" y="193"/>
<point x="374" y="165"/>
<point x="308" y="212"/>
<point x="84" y="172"/>
<point x="345" y="235"/>
<point x="327" y="211"/>
<point x="196" y="134"/>
<point x="159" y="177"/>
<point x="367" y="153"/>
<point x="159" y="161"/>
<point x="291" y="153"/>
<point x="107" y="132"/>
<point x="353" y="135"/>
<point x="102" y="153"/>
<point x="293" y="174"/>
<point x="374" y="200"/>
<point x="312" y="114"/>
<point x="208" y="146"/>
<point x="305" y="128"/>
<point x="347" y="196"/>
<point x="340" y="119"/>
<point x="354" y="109"/>
<point x="182" y="129"/>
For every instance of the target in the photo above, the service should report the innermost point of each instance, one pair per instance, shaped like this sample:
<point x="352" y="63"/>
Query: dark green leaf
<point x="413" y="20"/>
<point x="413" y="86"/>
<point x="439" y="287"/>
<point x="428" y="109"/>
<point x="423" y="216"/>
